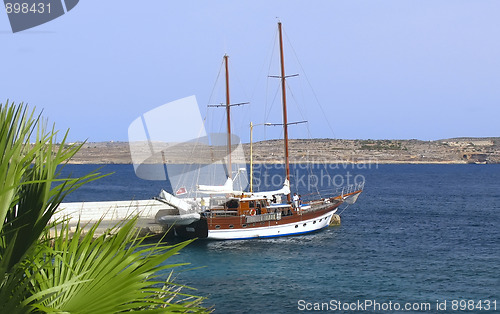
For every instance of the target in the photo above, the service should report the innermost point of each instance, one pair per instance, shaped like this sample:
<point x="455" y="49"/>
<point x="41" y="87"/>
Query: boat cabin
<point x="247" y="206"/>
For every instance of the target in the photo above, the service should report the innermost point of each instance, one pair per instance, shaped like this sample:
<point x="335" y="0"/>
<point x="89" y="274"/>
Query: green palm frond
<point x="115" y="270"/>
<point x="30" y="191"/>
<point x="16" y="127"/>
<point x="31" y="188"/>
<point x="74" y="273"/>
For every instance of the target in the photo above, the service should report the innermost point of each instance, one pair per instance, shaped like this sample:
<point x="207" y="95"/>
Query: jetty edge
<point x="111" y="213"/>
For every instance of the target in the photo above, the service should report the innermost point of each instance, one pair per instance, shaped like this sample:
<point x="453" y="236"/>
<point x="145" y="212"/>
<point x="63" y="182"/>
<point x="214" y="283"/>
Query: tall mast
<point x="228" y="115"/>
<point x="285" y="119"/>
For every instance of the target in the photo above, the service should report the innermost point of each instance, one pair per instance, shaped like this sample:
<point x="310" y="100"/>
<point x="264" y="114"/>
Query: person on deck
<point x="296" y="201"/>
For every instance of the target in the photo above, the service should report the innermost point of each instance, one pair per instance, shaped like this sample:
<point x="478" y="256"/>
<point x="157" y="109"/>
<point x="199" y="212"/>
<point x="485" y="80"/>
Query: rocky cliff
<point x="456" y="151"/>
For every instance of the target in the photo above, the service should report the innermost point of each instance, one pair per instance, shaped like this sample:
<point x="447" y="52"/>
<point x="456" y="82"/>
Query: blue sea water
<point x="418" y="233"/>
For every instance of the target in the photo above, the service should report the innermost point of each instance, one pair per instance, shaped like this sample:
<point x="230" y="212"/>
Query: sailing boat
<point x="246" y="215"/>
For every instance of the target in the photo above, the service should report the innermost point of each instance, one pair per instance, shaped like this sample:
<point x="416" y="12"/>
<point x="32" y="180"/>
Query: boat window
<point x="251" y="204"/>
<point x="217" y="227"/>
<point x="304" y="225"/>
<point x="244" y="225"/>
<point x="314" y="222"/>
<point x="232" y="203"/>
<point x="231" y="226"/>
<point x="296" y="226"/>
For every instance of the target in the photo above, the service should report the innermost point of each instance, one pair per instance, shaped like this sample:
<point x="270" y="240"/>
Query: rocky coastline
<point x="446" y="151"/>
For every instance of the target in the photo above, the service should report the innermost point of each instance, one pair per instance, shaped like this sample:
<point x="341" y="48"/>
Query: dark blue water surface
<point x="418" y="233"/>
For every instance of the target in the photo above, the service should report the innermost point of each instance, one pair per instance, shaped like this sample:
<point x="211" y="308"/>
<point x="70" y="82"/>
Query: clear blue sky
<point x="379" y="69"/>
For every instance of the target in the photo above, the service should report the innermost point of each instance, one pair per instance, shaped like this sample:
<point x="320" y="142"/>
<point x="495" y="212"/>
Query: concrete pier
<point x="112" y="212"/>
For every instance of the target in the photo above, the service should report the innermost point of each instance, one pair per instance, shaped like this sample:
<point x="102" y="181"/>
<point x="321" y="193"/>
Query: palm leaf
<point x="68" y="272"/>
<point x="114" y="270"/>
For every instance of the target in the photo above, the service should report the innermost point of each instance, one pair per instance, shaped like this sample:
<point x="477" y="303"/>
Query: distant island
<point x="446" y="151"/>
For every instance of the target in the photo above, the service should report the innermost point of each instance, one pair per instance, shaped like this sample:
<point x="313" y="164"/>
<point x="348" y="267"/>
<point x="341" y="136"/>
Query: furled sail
<point x="227" y="188"/>
<point x="285" y="190"/>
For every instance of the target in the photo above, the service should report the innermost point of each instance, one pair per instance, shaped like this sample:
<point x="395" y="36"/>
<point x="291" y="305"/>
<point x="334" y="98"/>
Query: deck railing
<point x="353" y="188"/>
<point x="263" y="217"/>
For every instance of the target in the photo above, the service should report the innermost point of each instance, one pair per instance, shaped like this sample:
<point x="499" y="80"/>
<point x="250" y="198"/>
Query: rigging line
<point x="266" y="109"/>
<point x="310" y="86"/>
<point x="215" y="85"/>
<point x="188" y="168"/>
<point x="271" y="53"/>
<point x="240" y="119"/>
<point x="343" y="210"/>
<point x="307" y="127"/>
<point x="267" y="113"/>
<point x="221" y="118"/>
<point x="185" y="168"/>
<point x="304" y="117"/>
<point x="296" y="103"/>
<point x="239" y="82"/>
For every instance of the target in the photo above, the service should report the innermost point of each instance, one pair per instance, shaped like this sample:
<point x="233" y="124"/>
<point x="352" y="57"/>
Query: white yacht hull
<point x="295" y="228"/>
